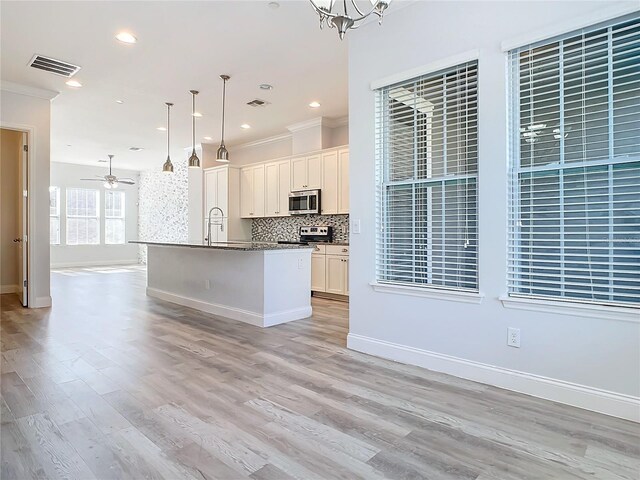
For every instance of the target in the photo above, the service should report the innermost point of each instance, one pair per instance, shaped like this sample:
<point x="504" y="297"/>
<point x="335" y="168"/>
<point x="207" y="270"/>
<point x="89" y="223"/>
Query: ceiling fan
<point x="110" y="180"/>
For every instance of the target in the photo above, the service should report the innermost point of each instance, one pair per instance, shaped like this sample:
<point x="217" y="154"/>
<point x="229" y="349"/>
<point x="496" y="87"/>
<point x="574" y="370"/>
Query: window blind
<point x="83" y="221"/>
<point x="574" y="227"/>
<point x="427" y="168"/>
<point x="114" y="218"/>
<point x="54" y="215"/>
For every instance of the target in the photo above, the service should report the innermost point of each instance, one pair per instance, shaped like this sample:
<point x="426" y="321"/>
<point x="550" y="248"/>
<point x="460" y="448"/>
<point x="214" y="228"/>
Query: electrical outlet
<point x="300" y="264"/>
<point x="513" y="337"/>
<point x="355" y="226"/>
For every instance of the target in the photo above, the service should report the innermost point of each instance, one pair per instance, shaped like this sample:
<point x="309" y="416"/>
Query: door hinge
<point x="25" y="148"/>
<point x="25" y="284"/>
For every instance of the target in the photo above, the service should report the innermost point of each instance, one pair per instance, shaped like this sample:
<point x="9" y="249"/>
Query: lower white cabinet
<point x="330" y="269"/>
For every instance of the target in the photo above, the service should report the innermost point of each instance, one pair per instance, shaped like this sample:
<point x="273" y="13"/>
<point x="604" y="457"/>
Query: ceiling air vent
<point x="257" y="103"/>
<point x="52" y="65"/>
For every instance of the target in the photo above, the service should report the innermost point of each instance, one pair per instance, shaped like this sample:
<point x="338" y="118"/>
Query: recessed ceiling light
<point x="73" y="83"/>
<point x="274" y="5"/>
<point x="245" y="126"/>
<point x="119" y="101"/>
<point x="102" y="161"/>
<point x="136" y="149"/>
<point x="162" y="129"/>
<point x="197" y="114"/>
<point x="126" y="37"/>
<point x="68" y="144"/>
<point x="208" y="138"/>
<point x="265" y="86"/>
<point x="314" y="105"/>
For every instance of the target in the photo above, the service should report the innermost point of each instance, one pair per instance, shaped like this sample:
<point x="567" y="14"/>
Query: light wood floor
<point x="112" y="384"/>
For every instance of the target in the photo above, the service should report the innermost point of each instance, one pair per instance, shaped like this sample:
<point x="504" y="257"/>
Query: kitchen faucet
<point x="209" y="224"/>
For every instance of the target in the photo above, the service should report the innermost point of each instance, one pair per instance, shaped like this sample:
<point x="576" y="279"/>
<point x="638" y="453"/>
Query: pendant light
<point x="168" y="166"/>
<point x="223" y="154"/>
<point x="194" y="161"/>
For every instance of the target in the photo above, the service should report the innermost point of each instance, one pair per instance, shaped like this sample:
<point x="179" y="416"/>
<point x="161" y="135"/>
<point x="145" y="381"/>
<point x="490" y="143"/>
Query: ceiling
<point x="181" y="46"/>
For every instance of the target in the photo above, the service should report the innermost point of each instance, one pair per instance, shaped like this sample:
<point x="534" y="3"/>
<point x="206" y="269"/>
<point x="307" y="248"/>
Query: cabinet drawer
<point x="337" y="249"/>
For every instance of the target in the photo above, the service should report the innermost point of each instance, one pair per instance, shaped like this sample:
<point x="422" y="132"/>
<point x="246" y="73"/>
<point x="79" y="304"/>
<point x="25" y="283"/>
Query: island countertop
<point x="231" y="245"/>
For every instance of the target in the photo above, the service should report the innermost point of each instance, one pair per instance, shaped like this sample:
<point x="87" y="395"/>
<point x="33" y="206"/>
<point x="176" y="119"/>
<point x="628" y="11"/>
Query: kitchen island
<point x="263" y="284"/>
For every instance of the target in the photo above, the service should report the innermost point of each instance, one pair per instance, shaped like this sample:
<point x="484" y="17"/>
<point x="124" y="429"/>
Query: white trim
<point x="570" y="25"/>
<point x="257" y="143"/>
<point x="313" y="122"/>
<point x="40" y="302"/>
<point x="427" y="292"/>
<point x="8" y="289"/>
<point x="572" y="308"/>
<point x="581" y="396"/>
<point x="432" y="67"/>
<point x="246" y="316"/>
<point x="103" y="263"/>
<point x="28" y="91"/>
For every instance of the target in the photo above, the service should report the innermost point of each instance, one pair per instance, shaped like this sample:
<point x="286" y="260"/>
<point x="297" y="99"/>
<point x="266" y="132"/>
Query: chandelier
<point x="336" y="14"/>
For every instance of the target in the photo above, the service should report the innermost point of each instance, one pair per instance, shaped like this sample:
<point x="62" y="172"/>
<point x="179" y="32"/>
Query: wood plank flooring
<point x="112" y="384"/>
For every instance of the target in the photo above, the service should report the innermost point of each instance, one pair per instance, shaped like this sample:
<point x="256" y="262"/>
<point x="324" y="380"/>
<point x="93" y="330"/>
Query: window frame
<point x="567" y="304"/>
<point x="122" y="218"/>
<point x="56" y="216"/>
<point x="428" y="289"/>
<point x="87" y="217"/>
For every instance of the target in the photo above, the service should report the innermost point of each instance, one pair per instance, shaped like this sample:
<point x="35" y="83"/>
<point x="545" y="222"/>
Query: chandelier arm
<point x="329" y="14"/>
<point x="353" y="2"/>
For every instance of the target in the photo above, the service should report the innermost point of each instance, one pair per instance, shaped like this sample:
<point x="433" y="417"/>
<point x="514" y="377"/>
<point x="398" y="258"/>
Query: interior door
<point x="23" y="223"/>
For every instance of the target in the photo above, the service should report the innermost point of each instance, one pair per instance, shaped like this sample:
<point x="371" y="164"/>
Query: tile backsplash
<point x="273" y="229"/>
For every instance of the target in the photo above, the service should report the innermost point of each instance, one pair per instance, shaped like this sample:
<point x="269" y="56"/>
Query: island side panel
<point x="287" y="285"/>
<point x="228" y="283"/>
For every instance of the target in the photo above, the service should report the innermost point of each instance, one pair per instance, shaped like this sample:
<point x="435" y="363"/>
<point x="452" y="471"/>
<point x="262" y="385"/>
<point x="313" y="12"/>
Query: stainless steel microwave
<point x="304" y="202"/>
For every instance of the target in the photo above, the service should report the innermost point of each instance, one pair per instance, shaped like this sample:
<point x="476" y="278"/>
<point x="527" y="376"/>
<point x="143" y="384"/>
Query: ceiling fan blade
<point x="128" y="179"/>
<point x="126" y="182"/>
<point x="93" y="179"/>
<point x="99" y="176"/>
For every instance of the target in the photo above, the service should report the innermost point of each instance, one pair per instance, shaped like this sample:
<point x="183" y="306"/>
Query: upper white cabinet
<point x="252" y="192"/>
<point x="306" y="172"/>
<point x="221" y="188"/>
<point x="334" y="196"/>
<point x="277" y="188"/>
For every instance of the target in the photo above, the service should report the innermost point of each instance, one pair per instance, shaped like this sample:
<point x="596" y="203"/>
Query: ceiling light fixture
<point x="162" y="129"/>
<point x="223" y="154"/>
<point x="136" y="149"/>
<point x="126" y="37"/>
<point x="314" y="105"/>
<point x="196" y="114"/>
<point x="341" y="19"/>
<point x="194" y="161"/>
<point x="167" y="167"/>
<point x="265" y="86"/>
<point x="245" y="126"/>
<point x="208" y="138"/>
<point x="274" y="5"/>
<point x="73" y="83"/>
<point x="120" y="102"/>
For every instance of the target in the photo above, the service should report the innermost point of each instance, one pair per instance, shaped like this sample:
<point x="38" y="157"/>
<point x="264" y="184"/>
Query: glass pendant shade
<point x="194" y="161"/>
<point x="107" y="185"/>
<point x="223" y="153"/>
<point x="167" y="167"/>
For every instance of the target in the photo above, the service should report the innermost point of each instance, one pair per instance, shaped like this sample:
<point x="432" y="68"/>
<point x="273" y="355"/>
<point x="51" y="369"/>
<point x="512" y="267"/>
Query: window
<point x="114" y="217"/>
<point x="83" y="222"/>
<point x="575" y="154"/>
<point x="54" y="216"/>
<point x="427" y="180"/>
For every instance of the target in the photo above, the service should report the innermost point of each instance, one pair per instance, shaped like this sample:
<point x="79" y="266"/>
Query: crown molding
<point x="28" y="91"/>
<point x="262" y="141"/>
<point x="336" y="122"/>
<point x="318" y="122"/>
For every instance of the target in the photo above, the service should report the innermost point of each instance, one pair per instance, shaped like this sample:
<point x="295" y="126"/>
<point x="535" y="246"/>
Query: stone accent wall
<point x="286" y="228"/>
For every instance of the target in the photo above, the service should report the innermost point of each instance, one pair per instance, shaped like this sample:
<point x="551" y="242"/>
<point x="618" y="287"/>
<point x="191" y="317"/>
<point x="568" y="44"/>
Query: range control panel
<point x="314" y="230"/>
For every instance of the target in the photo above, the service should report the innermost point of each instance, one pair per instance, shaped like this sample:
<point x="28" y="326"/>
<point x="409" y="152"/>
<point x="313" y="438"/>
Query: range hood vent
<point x="51" y="65"/>
<point x="258" y="103"/>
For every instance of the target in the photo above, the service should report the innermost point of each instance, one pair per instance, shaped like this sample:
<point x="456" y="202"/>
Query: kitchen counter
<point x="243" y="246"/>
<point x="263" y="284"/>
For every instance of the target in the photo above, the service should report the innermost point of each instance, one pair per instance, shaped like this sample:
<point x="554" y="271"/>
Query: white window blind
<point x="575" y="161"/>
<point x="427" y="175"/>
<point x="54" y="215"/>
<point x="114" y="218"/>
<point x="83" y="221"/>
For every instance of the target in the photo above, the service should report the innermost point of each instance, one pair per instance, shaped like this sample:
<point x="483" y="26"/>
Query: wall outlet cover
<point x="513" y="337"/>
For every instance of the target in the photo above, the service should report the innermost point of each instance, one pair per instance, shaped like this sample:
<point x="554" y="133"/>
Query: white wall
<point x="67" y="175"/>
<point x="573" y="351"/>
<point x="11" y="149"/>
<point x="34" y="112"/>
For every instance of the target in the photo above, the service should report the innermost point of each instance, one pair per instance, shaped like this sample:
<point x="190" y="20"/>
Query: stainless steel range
<point x="312" y="234"/>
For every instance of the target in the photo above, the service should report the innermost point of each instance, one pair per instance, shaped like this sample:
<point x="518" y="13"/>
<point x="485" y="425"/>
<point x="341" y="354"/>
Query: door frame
<point x="31" y="156"/>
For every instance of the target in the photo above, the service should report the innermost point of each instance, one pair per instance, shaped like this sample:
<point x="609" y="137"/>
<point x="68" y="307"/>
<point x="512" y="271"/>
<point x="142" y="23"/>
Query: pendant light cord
<point x="224" y="94"/>
<point x="168" y="129"/>
<point x="193" y="119"/>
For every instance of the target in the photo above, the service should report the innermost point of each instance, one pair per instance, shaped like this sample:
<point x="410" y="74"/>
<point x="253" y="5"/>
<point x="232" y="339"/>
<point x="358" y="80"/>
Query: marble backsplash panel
<point x="273" y="229"/>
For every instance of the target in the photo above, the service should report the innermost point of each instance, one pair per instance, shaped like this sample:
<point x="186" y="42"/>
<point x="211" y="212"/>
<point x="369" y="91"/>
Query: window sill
<point x="433" y="293"/>
<point x="567" y="308"/>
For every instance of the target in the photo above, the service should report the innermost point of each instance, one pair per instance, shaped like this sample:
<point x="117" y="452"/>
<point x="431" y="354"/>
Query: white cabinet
<point x="330" y="269"/>
<point x="221" y="188"/>
<point x="306" y="172"/>
<point x="334" y="197"/>
<point x="277" y="188"/>
<point x="252" y="193"/>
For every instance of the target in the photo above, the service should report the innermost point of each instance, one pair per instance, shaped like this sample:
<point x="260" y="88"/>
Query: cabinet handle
<point x="345" y="250"/>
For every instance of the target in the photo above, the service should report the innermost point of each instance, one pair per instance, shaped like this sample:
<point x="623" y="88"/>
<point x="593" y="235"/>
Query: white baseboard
<point x="8" y="289"/>
<point x="105" y="263"/>
<point x="246" y="316"/>
<point x="40" y="302"/>
<point x="589" y="398"/>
